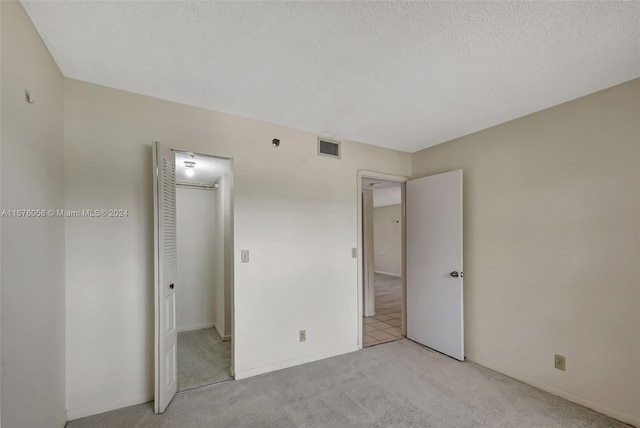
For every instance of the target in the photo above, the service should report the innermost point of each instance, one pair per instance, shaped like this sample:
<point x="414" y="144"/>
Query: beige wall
<point x="295" y="211"/>
<point x="387" y="239"/>
<point x="196" y="238"/>
<point x="33" y="336"/>
<point x="551" y="233"/>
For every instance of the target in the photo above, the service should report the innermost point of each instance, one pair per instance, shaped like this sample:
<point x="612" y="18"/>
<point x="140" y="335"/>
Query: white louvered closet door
<point x="165" y="276"/>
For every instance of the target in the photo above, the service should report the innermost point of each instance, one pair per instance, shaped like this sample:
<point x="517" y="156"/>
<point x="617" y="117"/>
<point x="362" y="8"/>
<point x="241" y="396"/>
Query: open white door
<point x="434" y="263"/>
<point x="166" y="334"/>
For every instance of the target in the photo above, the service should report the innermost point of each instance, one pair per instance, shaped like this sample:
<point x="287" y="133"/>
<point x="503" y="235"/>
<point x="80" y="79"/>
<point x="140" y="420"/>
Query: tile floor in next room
<point x="382" y="328"/>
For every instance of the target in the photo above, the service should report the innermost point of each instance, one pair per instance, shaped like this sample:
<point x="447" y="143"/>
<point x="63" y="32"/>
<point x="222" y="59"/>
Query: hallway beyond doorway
<point x="381" y="329"/>
<point x="386" y="325"/>
<point x="388" y="293"/>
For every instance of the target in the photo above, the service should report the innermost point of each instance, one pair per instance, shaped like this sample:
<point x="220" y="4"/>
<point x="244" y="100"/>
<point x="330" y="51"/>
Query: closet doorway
<point x="202" y="303"/>
<point x="194" y="271"/>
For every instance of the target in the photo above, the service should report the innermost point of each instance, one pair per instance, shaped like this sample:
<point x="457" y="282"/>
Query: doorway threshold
<point x="208" y="386"/>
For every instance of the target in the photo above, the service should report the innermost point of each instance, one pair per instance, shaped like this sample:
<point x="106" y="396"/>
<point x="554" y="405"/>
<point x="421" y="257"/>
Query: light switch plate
<point x="244" y="256"/>
<point x="354" y="253"/>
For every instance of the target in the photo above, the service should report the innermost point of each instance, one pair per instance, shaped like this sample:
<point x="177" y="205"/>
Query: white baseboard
<point x="107" y="406"/>
<point x="564" y="394"/>
<point x="388" y="273"/>
<point x="243" y="374"/>
<point x="221" y="334"/>
<point x="196" y="327"/>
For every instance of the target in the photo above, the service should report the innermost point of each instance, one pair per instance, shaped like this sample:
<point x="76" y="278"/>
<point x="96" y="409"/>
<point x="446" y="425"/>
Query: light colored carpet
<point x="388" y="290"/>
<point x="203" y="358"/>
<point x="396" y="384"/>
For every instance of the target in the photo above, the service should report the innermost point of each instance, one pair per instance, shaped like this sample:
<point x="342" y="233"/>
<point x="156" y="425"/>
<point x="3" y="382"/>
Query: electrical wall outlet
<point x="302" y="335"/>
<point x="354" y="253"/>
<point x="560" y="362"/>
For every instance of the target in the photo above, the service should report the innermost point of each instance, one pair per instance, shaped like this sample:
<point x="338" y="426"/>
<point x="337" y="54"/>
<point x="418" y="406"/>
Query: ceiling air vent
<point x="328" y="148"/>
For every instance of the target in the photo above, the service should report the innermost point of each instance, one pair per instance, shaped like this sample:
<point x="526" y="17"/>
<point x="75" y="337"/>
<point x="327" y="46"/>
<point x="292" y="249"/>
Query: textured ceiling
<point x="404" y="75"/>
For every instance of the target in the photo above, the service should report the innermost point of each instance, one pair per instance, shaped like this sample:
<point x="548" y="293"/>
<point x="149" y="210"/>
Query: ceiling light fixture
<point x="190" y="167"/>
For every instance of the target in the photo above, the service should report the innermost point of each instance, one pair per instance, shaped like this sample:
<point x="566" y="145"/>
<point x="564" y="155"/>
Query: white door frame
<point x="231" y="264"/>
<point x="386" y="177"/>
<point x="368" y="291"/>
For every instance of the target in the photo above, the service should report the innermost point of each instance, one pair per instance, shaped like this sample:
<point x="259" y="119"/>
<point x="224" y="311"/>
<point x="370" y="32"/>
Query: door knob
<point x="455" y="274"/>
<point x="171" y="286"/>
